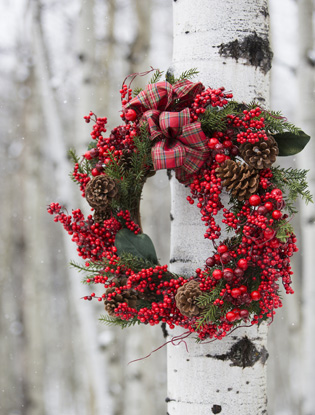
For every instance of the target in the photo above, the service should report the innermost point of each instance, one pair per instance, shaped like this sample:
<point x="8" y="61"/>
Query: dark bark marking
<point x="243" y="354"/>
<point x="216" y="409"/>
<point x="171" y="217"/>
<point x="164" y="331"/>
<point x="253" y="48"/>
<point x="218" y="390"/>
<point x="173" y="260"/>
<point x="229" y="389"/>
<point x="311" y="220"/>
<point x="264" y="12"/>
<point x="187" y="360"/>
<point x="261" y="99"/>
<point x="187" y="31"/>
<point x="167" y="399"/>
<point x="82" y="57"/>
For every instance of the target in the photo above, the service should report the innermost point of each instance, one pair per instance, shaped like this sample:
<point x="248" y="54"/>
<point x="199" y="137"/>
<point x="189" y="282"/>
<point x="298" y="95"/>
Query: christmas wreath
<point x="213" y="144"/>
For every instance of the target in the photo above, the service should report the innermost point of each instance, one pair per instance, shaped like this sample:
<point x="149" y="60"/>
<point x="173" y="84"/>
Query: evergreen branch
<point x="188" y="74"/>
<point x="72" y="155"/>
<point x="215" y="119"/>
<point x="136" y="91"/>
<point x="276" y="123"/>
<point x="110" y="321"/>
<point x="92" y="144"/>
<point x="170" y="78"/>
<point x="97" y="267"/>
<point x="205" y="301"/>
<point x="284" y="230"/>
<point x="156" y="76"/>
<point x="135" y="263"/>
<point x="293" y="183"/>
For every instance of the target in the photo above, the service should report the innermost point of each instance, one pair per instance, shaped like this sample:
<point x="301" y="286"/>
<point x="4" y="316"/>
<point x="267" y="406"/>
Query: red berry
<point x="222" y="248"/>
<point x="238" y="272"/>
<point x="255" y="295"/>
<point x="242" y="263"/>
<point x="230" y="316"/>
<point x="262" y="210"/>
<point x="95" y="172"/>
<point x="276" y="192"/>
<point x="225" y="257"/>
<point x="220" y="158"/>
<point x="244" y="313"/>
<point x="276" y="214"/>
<point x="255" y="200"/>
<point x="236" y="292"/>
<point x="213" y="142"/>
<point x="210" y="262"/>
<point x="228" y="274"/>
<point x="268" y="206"/>
<point x="243" y="289"/>
<point x="269" y="233"/>
<point x="217" y="274"/>
<point x="130" y="115"/>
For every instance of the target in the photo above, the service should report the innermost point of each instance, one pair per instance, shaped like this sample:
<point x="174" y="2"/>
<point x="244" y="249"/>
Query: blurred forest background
<point x="59" y="60"/>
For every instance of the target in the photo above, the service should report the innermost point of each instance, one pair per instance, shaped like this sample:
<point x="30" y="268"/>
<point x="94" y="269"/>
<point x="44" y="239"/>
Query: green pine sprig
<point x="137" y="91"/>
<point x="276" y="123"/>
<point x="156" y="76"/>
<point x="215" y="119"/>
<point x="284" y="229"/>
<point x="210" y="311"/>
<point x="293" y="183"/>
<point x="190" y="73"/>
<point x="115" y="321"/>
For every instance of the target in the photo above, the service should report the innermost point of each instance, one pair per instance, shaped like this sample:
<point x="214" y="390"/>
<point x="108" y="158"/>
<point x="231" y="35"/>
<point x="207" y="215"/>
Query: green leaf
<point x="290" y="143"/>
<point x="138" y="245"/>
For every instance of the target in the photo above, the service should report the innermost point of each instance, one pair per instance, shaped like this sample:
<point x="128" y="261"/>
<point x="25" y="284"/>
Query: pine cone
<point x="101" y="215"/>
<point x="239" y="179"/>
<point x="260" y="155"/>
<point x="100" y="191"/>
<point x="125" y="160"/>
<point x="186" y="299"/>
<point x="126" y="296"/>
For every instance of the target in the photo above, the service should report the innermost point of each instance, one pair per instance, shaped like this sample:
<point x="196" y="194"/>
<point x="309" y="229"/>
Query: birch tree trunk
<point x="228" y="42"/>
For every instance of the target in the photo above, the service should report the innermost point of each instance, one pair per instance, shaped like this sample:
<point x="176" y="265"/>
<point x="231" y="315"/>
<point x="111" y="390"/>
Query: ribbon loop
<point x="178" y="143"/>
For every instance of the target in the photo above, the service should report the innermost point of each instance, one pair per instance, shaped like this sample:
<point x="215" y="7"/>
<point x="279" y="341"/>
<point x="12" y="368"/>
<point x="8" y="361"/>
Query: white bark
<point x="196" y="383"/>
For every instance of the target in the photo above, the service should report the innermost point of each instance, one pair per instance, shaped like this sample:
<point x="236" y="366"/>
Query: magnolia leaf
<point x="137" y="245"/>
<point x="290" y="143"/>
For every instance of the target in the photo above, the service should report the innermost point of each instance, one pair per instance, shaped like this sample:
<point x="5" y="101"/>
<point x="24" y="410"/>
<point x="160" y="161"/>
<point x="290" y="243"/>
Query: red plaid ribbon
<point x="180" y="144"/>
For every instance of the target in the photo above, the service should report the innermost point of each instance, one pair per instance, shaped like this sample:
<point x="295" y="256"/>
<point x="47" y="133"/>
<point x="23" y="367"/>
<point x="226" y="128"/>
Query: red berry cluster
<point x="209" y="96"/>
<point x="109" y="149"/>
<point x="249" y="127"/>
<point x="125" y="217"/>
<point x="94" y="241"/>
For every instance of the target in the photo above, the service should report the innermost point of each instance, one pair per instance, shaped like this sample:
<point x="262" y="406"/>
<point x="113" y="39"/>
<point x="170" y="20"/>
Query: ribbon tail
<point x="165" y="157"/>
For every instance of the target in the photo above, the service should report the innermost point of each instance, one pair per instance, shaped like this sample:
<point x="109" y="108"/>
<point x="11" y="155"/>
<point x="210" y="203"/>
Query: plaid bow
<point x="179" y="144"/>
